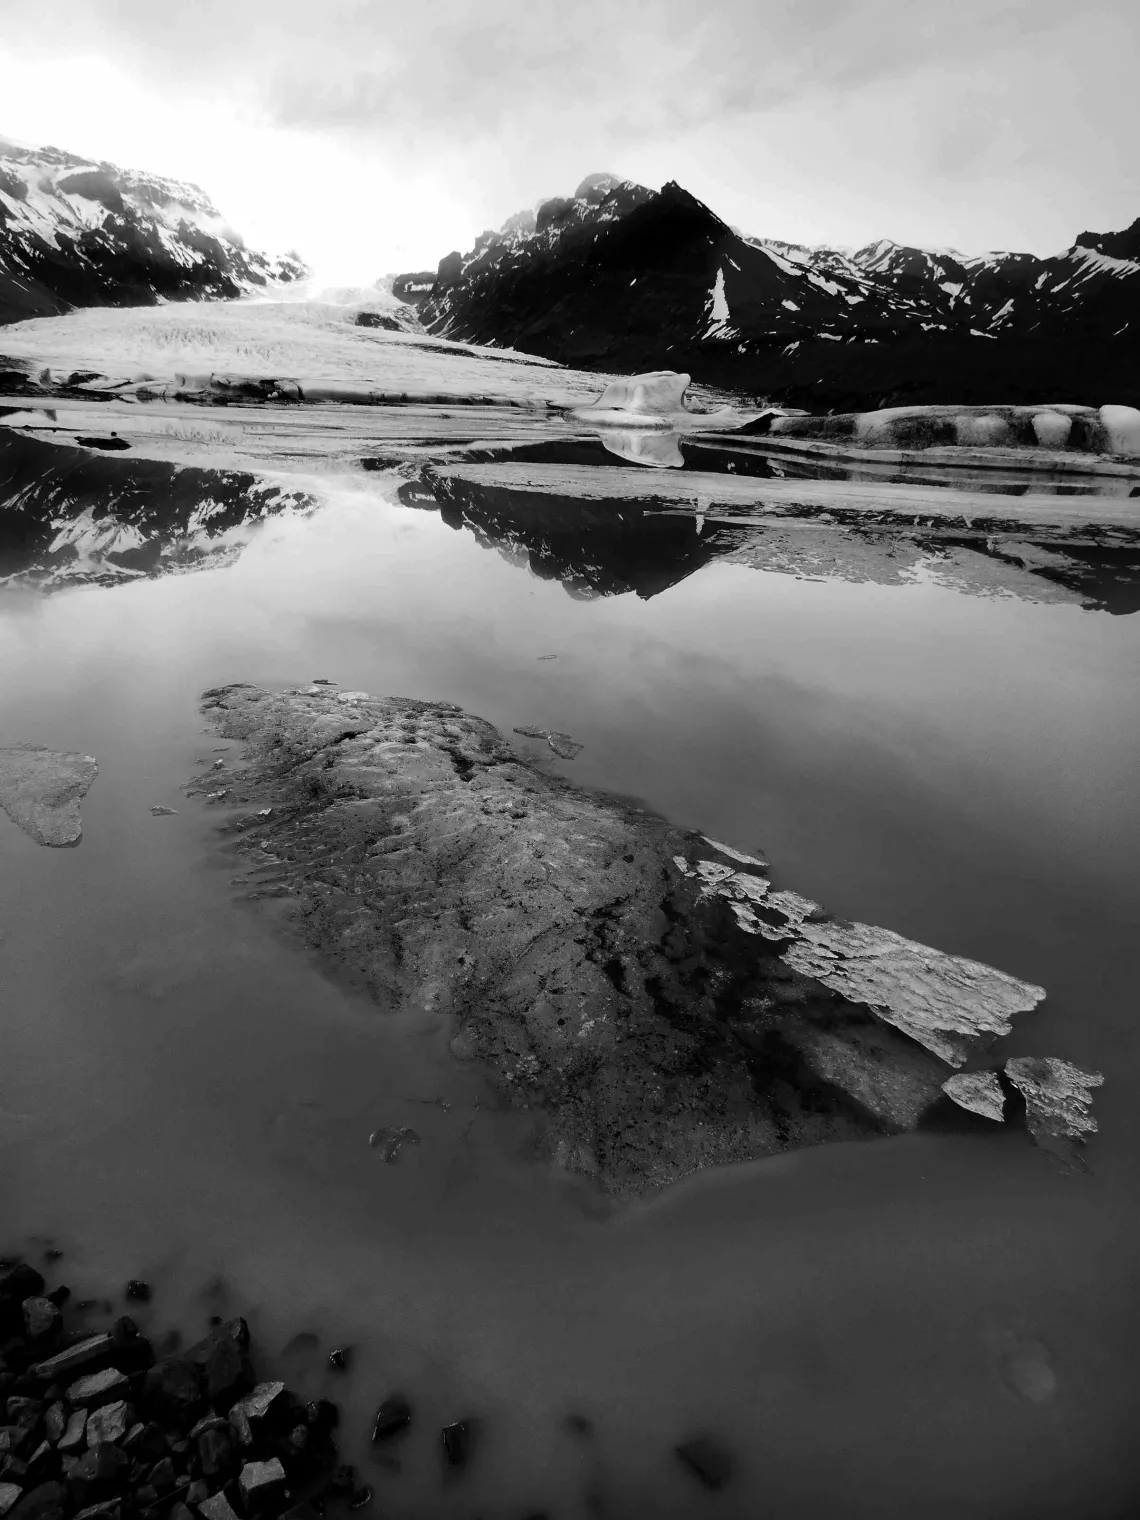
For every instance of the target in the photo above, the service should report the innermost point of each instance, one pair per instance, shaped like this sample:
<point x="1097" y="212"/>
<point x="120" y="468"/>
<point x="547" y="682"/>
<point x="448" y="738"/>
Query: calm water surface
<point x="942" y="1326"/>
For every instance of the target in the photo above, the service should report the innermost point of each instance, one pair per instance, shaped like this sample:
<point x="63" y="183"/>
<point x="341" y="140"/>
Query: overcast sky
<point x="375" y="136"/>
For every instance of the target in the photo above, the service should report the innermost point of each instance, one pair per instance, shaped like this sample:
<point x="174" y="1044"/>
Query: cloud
<point x="989" y="121"/>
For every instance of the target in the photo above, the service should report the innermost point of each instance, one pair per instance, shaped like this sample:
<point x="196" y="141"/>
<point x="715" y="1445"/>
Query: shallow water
<point x="934" y="1325"/>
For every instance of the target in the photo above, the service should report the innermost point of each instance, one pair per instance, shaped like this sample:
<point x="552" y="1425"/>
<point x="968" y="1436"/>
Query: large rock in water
<point x="606" y="966"/>
<point x="41" y="788"/>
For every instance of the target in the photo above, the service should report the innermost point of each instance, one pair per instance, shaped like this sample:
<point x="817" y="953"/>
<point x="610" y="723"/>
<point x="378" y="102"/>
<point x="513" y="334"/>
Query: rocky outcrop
<point x="606" y="966"/>
<point x="41" y="789"/>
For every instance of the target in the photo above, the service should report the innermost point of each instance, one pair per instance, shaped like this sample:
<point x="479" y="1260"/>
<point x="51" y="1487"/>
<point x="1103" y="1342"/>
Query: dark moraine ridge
<point x="632" y="980"/>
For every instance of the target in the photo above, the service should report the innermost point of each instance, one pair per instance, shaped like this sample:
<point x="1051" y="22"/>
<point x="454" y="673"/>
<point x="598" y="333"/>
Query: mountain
<point x="78" y="233"/>
<point x="620" y="277"/>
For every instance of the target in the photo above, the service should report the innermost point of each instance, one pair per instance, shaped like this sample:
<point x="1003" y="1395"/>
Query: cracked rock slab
<point x="41" y="789"/>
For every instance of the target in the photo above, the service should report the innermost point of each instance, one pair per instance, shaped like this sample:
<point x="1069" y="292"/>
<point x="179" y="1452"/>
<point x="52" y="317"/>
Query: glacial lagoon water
<point x="934" y="1325"/>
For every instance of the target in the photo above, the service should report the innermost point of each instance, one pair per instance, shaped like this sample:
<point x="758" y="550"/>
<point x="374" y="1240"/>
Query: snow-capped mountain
<point x="618" y="276"/>
<point x="78" y="233"/>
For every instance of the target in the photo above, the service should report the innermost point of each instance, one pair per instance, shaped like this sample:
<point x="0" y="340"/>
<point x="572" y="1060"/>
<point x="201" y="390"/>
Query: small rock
<point x="217" y="1508"/>
<point x="95" y="1348"/>
<point x="161" y="1476"/>
<point x="42" y="1503"/>
<point x="197" y="1492"/>
<point x="58" y="1296"/>
<point x="173" y="1389"/>
<point x="562" y="744"/>
<point x="340" y="1357"/>
<point x="710" y="1462"/>
<point x="457" y="1442"/>
<point x="110" y="1423"/>
<point x="72" y="1438"/>
<point x="41" y="1318"/>
<point x="394" y="1415"/>
<point x="322" y="681"/>
<point x="99" y="1464"/>
<point x="13" y="1437"/>
<point x="146" y="1496"/>
<point x="216" y="1451"/>
<point x="146" y="1442"/>
<point x="180" y="1512"/>
<point x="40" y="789"/>
<point x="389" y="1141"/>
<point x="261" y="1483"/>
<point x="360" y="1497"/>
<point x="98" y="1388"/>
<point x="162" y="812"/>
<point x="255" y="1406"/>
<point x="352" y="697"/>
<point x="9" y="1493"/>
<point x="105" y="1511"/>
<point x="55" y="1422"/>
<point x="25" y="1412"/>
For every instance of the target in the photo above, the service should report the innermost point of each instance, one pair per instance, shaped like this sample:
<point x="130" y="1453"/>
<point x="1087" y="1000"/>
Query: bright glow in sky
<point x="375" y="137"/>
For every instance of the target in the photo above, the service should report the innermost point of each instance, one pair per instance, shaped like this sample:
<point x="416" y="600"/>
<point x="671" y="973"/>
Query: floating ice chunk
<point x="1052" y="429"/>
<point x="979" y="1091"/>
<point x="1058" y="1096"/>
<point x="1122" y="429"/>
<point x="986" y="431"/>
<point x="654" y="400"/>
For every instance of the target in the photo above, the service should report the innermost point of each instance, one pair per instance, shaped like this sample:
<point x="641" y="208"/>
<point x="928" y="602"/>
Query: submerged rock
<point x="1058" y="1096"/>
<point x="389" y="1141"/>
<point x="562" y="744"/>
<point x="629" y="996"/>
<point x="41" y="788"/>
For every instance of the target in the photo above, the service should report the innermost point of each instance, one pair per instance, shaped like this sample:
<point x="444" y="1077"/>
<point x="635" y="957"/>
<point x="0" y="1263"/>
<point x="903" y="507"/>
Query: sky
<point x="374" y="137"/>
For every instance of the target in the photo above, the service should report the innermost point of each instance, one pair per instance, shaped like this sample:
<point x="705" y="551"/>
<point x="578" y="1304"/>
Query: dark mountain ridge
<point x="620" y="277"/>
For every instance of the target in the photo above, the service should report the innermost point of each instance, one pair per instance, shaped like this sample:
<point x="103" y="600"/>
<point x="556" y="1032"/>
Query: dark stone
<point x="162" y="1475"/>
<point x="24" y="1411"/>
<point x="100" y="1464"/>
<point x="180" y="1512"/>
<point x="173" y="1390"/>
<point x="223" y="1357"/>
<point x="19" y="1282"/>
<point x="579" y="1425"/>
<point x="138" y="1291"/>
<point x="457" y="1442"/>
<point x="710" y="1462"/>
<point x="114" y="442"/>
<point x="41" y="1318"/>
<point x="322" y="1415"/>
<point x="147" y="1443"/>
<point x="394" y="1415"/>
<point x="340" y="1358"/>
<point x="216" y="1452"/>
<point x="59" y="1296"/>
<point x="45" y="1502"/>
<point x="360" y="1497"/>
<point x="146" y="1496"/>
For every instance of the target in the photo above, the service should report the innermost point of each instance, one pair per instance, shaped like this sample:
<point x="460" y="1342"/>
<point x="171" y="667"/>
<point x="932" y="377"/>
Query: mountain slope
<point x="78" y="233"/>
<point x="628" y="278"/>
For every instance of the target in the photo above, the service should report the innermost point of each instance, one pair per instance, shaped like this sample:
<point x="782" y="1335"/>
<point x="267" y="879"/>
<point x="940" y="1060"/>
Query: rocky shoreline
<point x="644" y="989"/>
<point x="107" y="1426"/>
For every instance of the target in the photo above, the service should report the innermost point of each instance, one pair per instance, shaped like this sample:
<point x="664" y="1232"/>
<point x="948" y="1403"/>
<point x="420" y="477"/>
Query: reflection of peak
<point x="610" y="545"/>
<point x="105" y="518"/>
